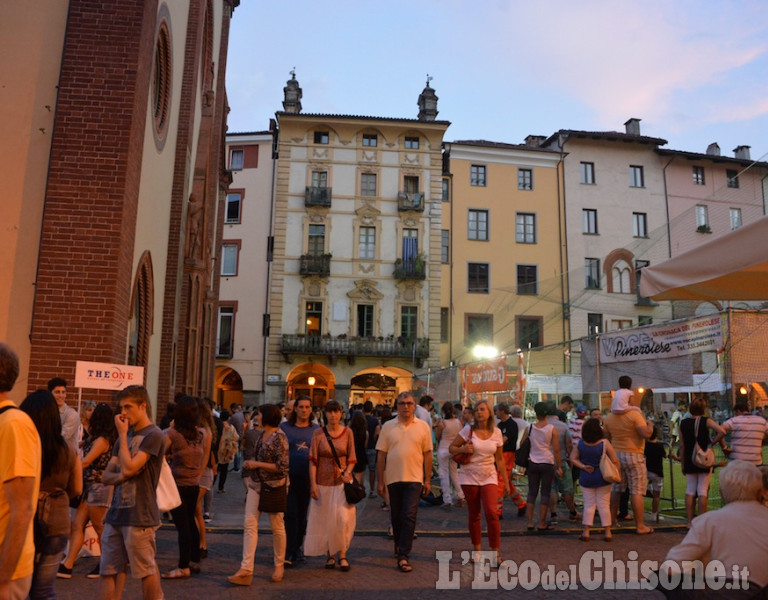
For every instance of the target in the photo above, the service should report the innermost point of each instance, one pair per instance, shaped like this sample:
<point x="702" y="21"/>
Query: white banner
<point x="106" y="376"/>
<point x="677" y="338"/>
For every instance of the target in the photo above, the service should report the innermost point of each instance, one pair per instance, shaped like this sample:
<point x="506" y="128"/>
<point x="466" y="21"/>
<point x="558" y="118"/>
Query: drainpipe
<point x="666" y="203"/>
<point x="271" y="236"/>
<point x="563" y="233"/>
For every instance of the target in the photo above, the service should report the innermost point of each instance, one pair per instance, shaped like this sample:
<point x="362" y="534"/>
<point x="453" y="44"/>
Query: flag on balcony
<point x="410" y="249"/>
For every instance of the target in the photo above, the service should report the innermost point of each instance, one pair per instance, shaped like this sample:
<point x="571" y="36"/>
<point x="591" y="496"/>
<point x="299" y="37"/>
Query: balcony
<point x="410" y="201"/>
<point x="412" y="268"/>
<point x="391" y="347"/>
<point x="317" y="196"/>
<point x="315" y="264"/>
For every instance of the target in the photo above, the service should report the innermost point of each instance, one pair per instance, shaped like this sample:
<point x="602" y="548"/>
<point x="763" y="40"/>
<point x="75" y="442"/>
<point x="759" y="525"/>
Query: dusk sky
<point x="695" y="72"/>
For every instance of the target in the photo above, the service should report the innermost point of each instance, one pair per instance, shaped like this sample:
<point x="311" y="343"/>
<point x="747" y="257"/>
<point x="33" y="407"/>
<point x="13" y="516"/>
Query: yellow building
<point x="503" y="261"/>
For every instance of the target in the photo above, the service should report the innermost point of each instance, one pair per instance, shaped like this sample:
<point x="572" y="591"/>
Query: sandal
<point x="584" y="538"/>
<point x="344" y="565"/>
<point x="330" y="563"/>
<point x="404" y="565"/>
<point x="176" y="574"/>
<point x="546" y="528"/>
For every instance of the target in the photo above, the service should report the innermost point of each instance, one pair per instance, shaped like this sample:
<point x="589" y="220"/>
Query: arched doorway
<point x="228" y="387"/>
<point x="380" y="385"/>
<point x="313" y="380"/>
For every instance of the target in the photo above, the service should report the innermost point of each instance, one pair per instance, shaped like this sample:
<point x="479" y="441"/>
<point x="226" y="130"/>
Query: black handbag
<point x="273" y="499"/>
<point x="354" y="492"/>
<point x="522" y="454"/>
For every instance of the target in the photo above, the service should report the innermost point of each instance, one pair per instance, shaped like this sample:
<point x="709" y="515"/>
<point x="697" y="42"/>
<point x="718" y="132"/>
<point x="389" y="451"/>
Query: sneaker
<point x="94" y="574"/>
<point x="575" y="516"/>
<point x="522" y="510"/>
<point x="63" y="572"/>
<point x="553" y="519"/>
<point x="300" y="558"/>
<point x="207" y="517"/>
<point x="372" y="494"/>
<point x="288" y="562"/>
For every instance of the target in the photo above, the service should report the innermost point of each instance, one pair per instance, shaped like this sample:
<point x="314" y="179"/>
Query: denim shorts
<point x="371" y="453"/>
<point x="99" y="494"/>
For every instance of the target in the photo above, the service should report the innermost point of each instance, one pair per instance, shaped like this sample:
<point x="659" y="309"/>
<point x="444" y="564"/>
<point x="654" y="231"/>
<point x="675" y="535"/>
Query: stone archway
<point x="383" y="394"/>
<point x="313" y="380"/>
<point x="228" y="387"/>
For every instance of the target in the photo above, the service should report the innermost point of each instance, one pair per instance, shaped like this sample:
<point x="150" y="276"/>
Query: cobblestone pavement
<point x="374" y="574"/>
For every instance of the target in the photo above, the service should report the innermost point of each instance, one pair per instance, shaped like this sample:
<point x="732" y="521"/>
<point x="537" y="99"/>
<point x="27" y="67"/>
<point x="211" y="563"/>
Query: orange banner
<point x="487" y="376"/>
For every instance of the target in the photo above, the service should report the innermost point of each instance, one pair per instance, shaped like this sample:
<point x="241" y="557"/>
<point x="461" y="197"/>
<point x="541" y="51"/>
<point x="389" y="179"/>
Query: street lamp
<point x="480" y="352"/>
<point x="311" y="382"/>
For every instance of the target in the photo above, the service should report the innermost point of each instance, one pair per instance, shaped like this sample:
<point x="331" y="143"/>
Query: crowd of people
<point x="297" y="463"/>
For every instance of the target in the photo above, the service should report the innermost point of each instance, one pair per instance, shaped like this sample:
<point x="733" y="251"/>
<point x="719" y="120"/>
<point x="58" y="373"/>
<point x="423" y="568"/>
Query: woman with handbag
<point x="445" y="432"/>
<point x="478" y="477"/>
<point x="332" y="520"/>
<point x="265" y="464"/>
<point x="61" y="478"/>
<point x="187" y="445"/>
<point x="694" y="431"/>
<point x="586" y="455"/>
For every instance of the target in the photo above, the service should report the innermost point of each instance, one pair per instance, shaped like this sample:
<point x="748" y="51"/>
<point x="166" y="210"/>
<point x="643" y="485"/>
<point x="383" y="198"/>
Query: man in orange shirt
<point x="627" y="431"/>
<point x="20" y="464"/>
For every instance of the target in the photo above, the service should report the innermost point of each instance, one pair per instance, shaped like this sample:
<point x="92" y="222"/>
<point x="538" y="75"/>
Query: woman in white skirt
<point x="445" y="432"/>
<point x="331" y="521"/>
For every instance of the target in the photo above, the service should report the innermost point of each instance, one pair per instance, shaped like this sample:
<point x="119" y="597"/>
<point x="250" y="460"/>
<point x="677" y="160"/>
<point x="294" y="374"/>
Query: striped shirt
<point x="575" y="428"/>
<point x="747" y="437"/>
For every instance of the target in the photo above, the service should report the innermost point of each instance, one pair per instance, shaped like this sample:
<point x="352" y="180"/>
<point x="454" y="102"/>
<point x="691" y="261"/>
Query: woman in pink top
<point x="332" y="520"/>
<point x="479" y="478"/>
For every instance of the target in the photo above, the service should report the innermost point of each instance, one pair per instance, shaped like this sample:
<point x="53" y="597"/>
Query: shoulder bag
<point x="354" y="492"/>
<point x="704" y="459"/>
<point x="167" y="493"/>
<point x="272" y="498"/>
<point x="524" y="451"/>
<point x="608" y="468"/>
<point x="463" y="458"/>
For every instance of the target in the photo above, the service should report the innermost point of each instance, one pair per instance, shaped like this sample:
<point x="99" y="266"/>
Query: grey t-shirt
<point x="134" y="501"/>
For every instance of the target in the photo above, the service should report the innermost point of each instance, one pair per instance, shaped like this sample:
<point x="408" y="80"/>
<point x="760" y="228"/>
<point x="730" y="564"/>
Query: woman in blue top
<point x="596" y="491"/>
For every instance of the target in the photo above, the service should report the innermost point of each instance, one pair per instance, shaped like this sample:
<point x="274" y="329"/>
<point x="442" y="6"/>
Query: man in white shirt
<point x="423" y="410"/>
<point x="70" y="421"/>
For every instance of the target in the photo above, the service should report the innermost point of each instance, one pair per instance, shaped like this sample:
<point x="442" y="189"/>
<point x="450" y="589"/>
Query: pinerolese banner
<point x="677" y="338"/>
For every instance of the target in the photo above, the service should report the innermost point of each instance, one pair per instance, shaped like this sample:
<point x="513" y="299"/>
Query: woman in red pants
<point x="478" y="478"/>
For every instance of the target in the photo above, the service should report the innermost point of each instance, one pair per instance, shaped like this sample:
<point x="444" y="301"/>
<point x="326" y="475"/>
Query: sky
<point x="694" y="71"/>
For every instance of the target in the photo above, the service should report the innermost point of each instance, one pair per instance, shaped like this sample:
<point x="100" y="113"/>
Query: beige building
<point x="244" y="290"/>
<point x="355" y="275"/>
<point x="503" y="265"/>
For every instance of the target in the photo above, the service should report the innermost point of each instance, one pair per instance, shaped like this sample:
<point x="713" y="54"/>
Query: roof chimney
<point x="742" y="152"/>
<point x="633" y="126"/>
<point x="713" y="149"/>
<point x="292" y="94"/>
<point x="534" y="140"/>
<point x="427" y="103"/>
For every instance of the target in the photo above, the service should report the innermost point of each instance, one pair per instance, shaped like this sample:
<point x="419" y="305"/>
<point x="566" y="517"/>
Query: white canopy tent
<point x="731" y="267"/>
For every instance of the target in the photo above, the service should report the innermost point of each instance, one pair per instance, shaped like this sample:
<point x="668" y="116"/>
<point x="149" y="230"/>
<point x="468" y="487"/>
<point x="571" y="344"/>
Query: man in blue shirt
<point x="299" y="431"/>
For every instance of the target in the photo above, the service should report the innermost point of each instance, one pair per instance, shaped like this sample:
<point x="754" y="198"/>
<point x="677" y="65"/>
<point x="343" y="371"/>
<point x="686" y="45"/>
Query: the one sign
<point x="663" y="341"/>
<point x="107" y="376"/>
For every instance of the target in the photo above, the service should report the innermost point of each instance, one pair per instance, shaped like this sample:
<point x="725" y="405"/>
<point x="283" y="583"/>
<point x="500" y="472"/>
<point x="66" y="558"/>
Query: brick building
<point x="113" y="118"/>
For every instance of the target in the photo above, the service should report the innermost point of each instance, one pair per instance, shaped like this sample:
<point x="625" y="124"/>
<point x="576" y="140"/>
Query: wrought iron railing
<point x="317" y="196"/>
<point x="315" y="264"/>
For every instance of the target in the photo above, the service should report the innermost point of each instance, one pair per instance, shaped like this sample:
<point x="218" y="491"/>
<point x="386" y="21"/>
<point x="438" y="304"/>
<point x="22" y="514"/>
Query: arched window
<point x="621" y="275"/>
<point x="142" y="313"/>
